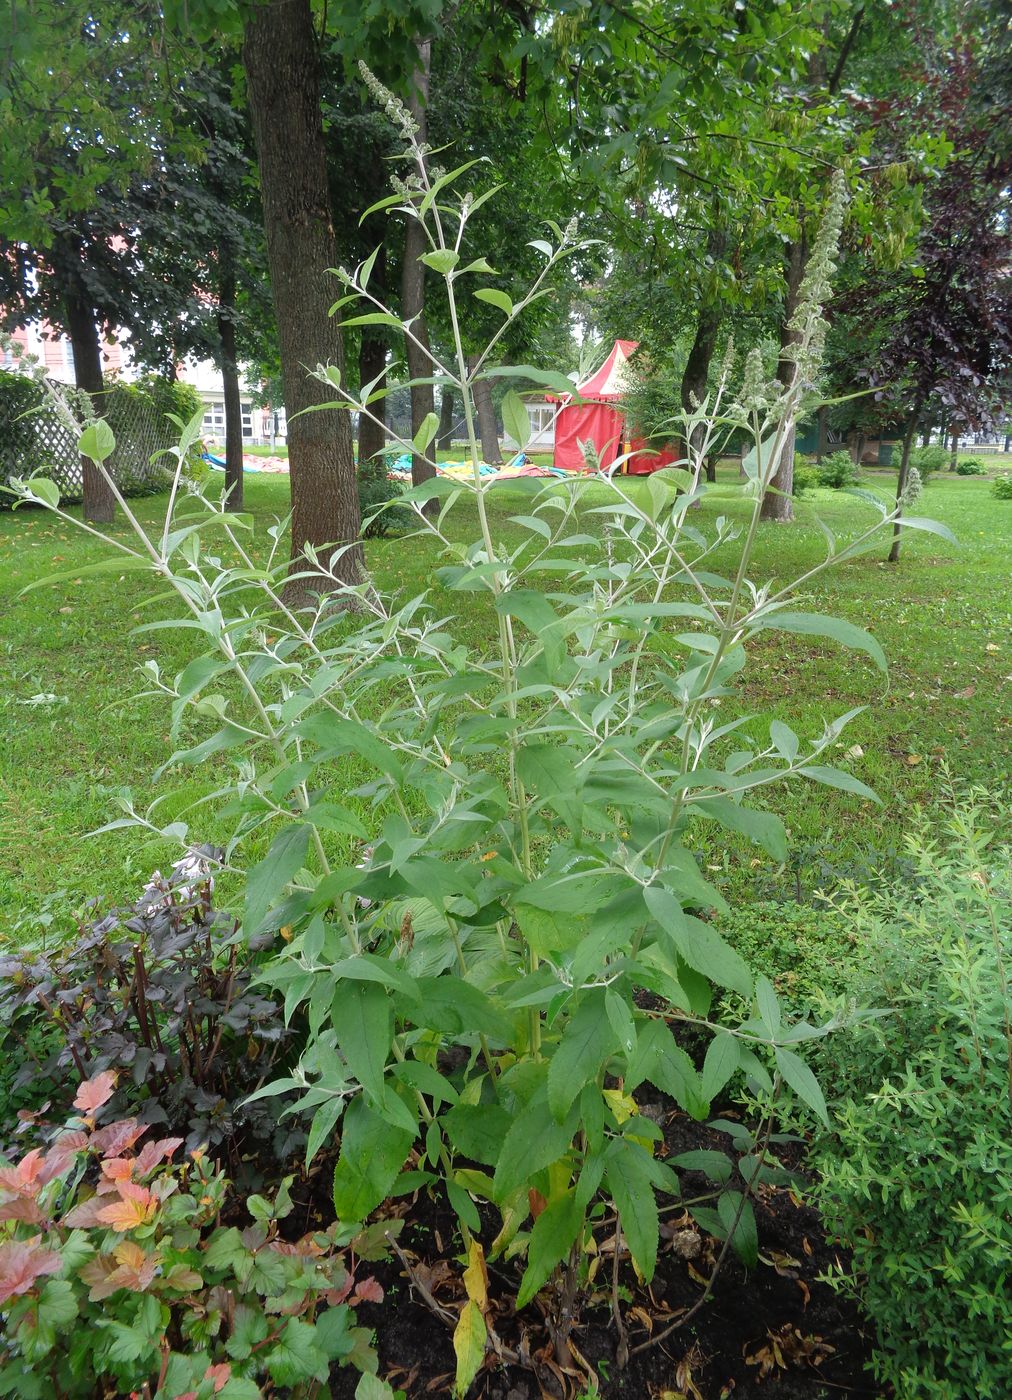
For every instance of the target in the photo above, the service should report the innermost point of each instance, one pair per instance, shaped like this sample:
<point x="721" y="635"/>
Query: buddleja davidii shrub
<point x="475" y="947"/>
<point x="116" y="1271"/>
<point x="914" y="1175"/>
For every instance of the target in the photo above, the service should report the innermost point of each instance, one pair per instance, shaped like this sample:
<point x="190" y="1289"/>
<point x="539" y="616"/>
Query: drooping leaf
<point x="469" y="1346"/>
<point x="552" y="1237"/>
<point x="372" y="1153"/>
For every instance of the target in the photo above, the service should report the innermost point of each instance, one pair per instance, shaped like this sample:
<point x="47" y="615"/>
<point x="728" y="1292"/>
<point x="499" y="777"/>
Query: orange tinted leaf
<point x="21" y="1263"/>
<point x="94" y="1092"/>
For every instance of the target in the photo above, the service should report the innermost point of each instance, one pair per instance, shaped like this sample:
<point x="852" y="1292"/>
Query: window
<point x="68" y="355"/>
<point x="214" y="419"/>
<point x="247" y="420"/>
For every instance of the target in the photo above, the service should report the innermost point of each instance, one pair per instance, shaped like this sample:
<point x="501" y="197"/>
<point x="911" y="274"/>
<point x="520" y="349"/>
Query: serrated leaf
<point x="360" y="1015"/>
<point x="552" y="1237"/>
<point x="266" y="881"/>
<point x="629" y="1180"/>
<point x="586" y="1042"/>
<point x="372" y="1154"/>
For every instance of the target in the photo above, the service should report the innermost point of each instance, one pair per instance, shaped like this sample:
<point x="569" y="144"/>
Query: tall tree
<point x="281" y="60"/>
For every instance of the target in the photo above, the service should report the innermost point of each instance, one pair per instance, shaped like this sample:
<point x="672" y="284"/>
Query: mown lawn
<point x="72" y="734"/>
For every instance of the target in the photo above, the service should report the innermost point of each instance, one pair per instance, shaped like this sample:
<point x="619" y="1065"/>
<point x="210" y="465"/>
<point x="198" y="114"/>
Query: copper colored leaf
<point x="22" y="1262"/>
<point x="136" y="1206"/>
<point x="152" y="1153"/>
<point x="94" y="1092"/>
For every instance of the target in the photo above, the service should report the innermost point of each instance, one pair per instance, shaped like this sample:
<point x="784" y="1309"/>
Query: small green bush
<point x="839" y="471"/>
<point x="971" y="466"/>
<point x="374" y="488"/>
<point x="914" y="1177"/>
<point x="1002" y="488"/>
<point x="928" y="459"/>
<point x="806" y="951"/>
<point x="805" y="475"/>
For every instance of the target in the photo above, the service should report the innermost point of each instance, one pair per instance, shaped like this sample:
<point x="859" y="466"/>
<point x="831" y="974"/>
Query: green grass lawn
<point x="72" y="735"/>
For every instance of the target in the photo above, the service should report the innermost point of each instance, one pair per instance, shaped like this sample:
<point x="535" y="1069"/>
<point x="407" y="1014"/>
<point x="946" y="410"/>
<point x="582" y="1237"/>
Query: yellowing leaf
<point x="476" y="1276"/>
<point x="622" y="1105"/>
<point x="469" y="1346"/>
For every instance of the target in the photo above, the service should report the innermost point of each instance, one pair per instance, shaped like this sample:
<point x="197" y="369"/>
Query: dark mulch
<point x="775" y="1333"/>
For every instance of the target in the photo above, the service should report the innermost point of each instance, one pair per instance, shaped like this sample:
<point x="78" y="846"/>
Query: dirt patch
<point x="775" y="1333"/>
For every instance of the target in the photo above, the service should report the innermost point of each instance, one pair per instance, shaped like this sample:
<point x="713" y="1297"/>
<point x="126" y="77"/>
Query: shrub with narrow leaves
<point x="1002" y="488"/>
<point x="927" y="459"/>
<point x="971" y="466"/>
<point x="116" y="1273"/>
<point x="509" y="937"/>
<point x="915" y="1175"/>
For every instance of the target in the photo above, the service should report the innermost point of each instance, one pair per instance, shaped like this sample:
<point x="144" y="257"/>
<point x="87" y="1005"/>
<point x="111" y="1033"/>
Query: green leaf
<point x="117" y="564"/>
<point x="838" y="778"/>
<point x="469" y="1346"/>
<point x="341" y="736"/>
<point x="667" y="1067"/>
<point x="496" y="298"/>
<point x="763" y="828"/>
<point x="699" y="944"/>
<point x="814" y="625"/>
<point x="360" y="1015"/>
<point x="57" y="1303"/>
<point x="372" y="1154"/>
<point x="441" y="260"/>
<point x="716" y="1165"/>
<point x="324" y="1120"/>
<point x="933" y="527"/>
<point x="586" y="1043"/>
<point x="477" y="1130"/>
<point x="421" y="440"/>
<point x="633" y="1193"/>
<point x="745" y="1239"/>
<point x="44" y="490"/>
<point x="97" y="441"/>
<point x="370" y="1387"/>
<point x="801" y="1079"/>
<point x="268" y="878"/>
<point x="768" y="1005"/>
<point x="534" y="1142"/>
<point x="621" y="1019"/>
<point x="554" y="1234"/>
<point x="723" y="1057"/>
<point x="516" y="420"/>
<point x="295" y="1357"/>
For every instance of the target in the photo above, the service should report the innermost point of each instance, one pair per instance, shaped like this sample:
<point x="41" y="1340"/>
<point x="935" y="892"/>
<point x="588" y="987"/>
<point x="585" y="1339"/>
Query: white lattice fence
<point x="33" y="438"/>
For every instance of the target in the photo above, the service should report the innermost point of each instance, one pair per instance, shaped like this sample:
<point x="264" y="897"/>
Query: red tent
<point x="598" y="419"/>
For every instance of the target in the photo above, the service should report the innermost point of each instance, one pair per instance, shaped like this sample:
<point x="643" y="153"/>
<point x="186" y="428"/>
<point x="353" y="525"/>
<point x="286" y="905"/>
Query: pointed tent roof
<point x="610" y="381"/>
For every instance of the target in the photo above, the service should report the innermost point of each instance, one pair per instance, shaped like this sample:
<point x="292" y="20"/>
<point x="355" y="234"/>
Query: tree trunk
<point x="281" y="61"/>
<point x="99" y="501"/>
<point x="372" y="359"/>
<point x="444" y="435"/>
<point x="823" y="421"/>
<point x="901" y="483"/>
<point x="777" y="503"/>
<point x="423" y="398"/>
<point x="954" y="455"/>
<point x="926" y="437"/>
<point x="488" y="428"/>
<point x="230" y="381"/>
<point x="697" y="366"/>
<point x="859" y="443"/>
